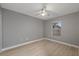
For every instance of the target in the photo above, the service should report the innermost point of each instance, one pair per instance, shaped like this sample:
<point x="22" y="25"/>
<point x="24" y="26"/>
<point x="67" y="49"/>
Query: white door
<point x="0" y="30"/>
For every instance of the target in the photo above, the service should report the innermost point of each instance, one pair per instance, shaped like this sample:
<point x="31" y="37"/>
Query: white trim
<point x="67" y="44"/>
<point x="18" y="45"/>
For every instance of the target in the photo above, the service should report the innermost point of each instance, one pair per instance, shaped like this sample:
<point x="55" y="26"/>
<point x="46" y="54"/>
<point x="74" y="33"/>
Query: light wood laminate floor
<point x="42" y="48"/>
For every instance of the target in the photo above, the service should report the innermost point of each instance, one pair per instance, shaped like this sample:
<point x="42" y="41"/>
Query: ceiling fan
<point x="43" y="11"/>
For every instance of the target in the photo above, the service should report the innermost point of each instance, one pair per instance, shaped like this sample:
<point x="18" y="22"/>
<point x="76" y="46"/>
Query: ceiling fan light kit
<point x="43" y="11"/>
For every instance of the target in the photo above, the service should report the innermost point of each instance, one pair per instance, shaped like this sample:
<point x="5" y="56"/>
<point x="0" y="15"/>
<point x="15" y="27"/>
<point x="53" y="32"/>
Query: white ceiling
<point x="31" y="9"/>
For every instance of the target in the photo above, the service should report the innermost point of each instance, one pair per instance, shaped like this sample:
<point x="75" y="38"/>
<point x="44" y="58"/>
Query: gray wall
<point x="69" y="31"/>
<point x="19" y="28"/>
<point x="0" y="29"/>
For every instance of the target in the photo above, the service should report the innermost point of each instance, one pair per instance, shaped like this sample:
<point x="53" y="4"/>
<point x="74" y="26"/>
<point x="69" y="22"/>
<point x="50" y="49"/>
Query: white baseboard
<point x="18" y="45"/>
<point x="72" y="45"/>
<point x="68" y="44"/>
